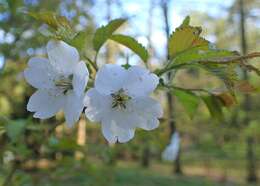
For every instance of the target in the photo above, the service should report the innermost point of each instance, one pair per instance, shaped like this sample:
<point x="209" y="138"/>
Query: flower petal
<point x="44" y="104"/>
<point x="62" y="56"/>
<point x="110" y="78"/>
<point x="80" y="78"/>
<point x="39" y="73"/>
<point x="73" y="108"/>
<point x="140" y="82"/>
<point x="97" y="105"/>
<point x="113" y="133"/>
<point x="147" y="110"/>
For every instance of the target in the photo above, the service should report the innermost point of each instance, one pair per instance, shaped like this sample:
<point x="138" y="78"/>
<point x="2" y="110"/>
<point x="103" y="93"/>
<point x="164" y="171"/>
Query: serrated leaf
<point x="132" y="44"/>
<point x="214" y="106"/>
<point x="189" y="101"/>
<point x="185" y="37"/>
<point x="103" y="33"/>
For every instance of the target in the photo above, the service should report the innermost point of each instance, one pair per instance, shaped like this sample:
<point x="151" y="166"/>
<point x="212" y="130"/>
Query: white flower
<point x="120" y="101"/>
<point x="61" y="80"/>
<point x="171" y="151"/>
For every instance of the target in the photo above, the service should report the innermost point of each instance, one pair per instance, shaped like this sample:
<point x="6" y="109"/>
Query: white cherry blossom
<point x="61" y="80"/>
<point x="171" y="151"/>
<point x="121" y="102"/>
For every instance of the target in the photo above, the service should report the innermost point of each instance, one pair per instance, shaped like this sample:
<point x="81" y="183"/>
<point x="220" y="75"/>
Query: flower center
<point x="64" y="83"/>
<point x="120" y="99"/>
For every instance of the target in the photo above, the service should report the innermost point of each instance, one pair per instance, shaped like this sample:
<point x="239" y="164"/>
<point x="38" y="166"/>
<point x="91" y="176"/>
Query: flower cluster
<point x="120" y="99"/>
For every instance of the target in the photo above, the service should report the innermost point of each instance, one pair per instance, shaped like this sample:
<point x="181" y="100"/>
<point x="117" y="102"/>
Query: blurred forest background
<point x="212" y="153"/>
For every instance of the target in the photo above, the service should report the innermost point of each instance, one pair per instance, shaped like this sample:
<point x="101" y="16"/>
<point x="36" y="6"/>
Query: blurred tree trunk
<point x="170" y="99"/>
<point x="145" y="161"/>
<point x="146" y="156"/>
<point x="251" y="177"/>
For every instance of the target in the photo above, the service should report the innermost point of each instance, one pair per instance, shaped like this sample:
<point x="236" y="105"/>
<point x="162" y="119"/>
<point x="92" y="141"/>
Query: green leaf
<point x="15" y="129"/>
<point x="201" y="54"/>
<point x="186" y="21"/>
<point x="132" y="44"/>
<point x="51" y="19"/>
<point x="188" y="100"/>
<point x="214" y="61"/>
<point x="103" y="33"/>
<point x="60" y="27"/>
<point x="79" y="40"/>
<point x="185" y="37"/>
<point x="214" y="106"/>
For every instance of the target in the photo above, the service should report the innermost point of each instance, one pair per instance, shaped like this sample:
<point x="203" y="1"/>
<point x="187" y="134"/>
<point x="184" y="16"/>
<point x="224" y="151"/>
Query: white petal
<point x="40" y="73"/>
<point x="62" y="56"/>
<point x="110" y="78"/>
<point x="73" y="108"/>
<point x="44" y="104"/>
<point x="97" y="105"/>
<point x="148" y="111"/>
<point x="172" y="150"/>
<point x="80" y="78"/>
<point x="113" y="133"/>
<point x="140" y="82"/>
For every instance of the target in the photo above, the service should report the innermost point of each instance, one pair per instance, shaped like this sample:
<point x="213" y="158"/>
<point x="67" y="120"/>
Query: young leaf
<point x="201" y="55"/>
<point x="214" y="61"/>
<point x="51" y="19"/>
<point x="188" y="100"/>
<point x="214" y="106"/>
<point x="60" y="27"/>
<point x="103" y="33"/>
<point x="186" y="21"/>
<point x="185" y="37"/>
<point x="132" y="44"/>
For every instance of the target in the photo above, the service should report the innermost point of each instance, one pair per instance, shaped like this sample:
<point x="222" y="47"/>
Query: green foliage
<point x="103" y="33"/>
<point x="188" y="99"/>
<point x="132" y="44"/>
<point x="184" y="38"/>
<point x="59" y="26"/>
<point x="214" y="106"/>
<point x="15" y="129"/>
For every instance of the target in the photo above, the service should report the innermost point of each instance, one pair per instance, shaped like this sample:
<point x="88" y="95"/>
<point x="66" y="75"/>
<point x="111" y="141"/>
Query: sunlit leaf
<point x="103" y="33"/>
<point x="188" y="100"/>
<point x="185" y="37"/>
<point x="132" y="44"/>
